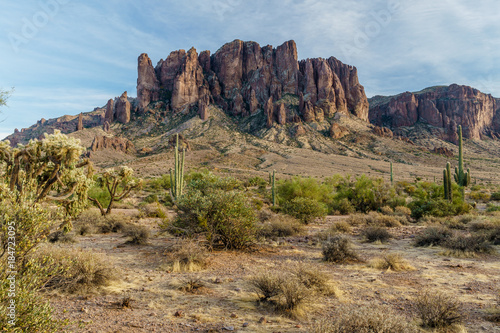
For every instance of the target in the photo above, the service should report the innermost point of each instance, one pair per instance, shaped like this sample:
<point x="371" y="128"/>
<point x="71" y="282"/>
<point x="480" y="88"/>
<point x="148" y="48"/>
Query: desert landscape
<point x="247" y="190"/>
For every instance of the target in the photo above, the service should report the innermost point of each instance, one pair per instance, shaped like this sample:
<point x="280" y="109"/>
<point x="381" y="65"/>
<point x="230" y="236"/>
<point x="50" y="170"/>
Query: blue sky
<point x="69" y="56"/>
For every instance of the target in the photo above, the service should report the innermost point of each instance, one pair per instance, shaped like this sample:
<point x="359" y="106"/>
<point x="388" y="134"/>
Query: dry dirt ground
<point x="226" y="302"/>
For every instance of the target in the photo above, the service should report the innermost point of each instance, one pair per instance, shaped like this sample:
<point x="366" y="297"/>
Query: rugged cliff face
<point x="442" y="107"/>
<point x="243" y="77"/>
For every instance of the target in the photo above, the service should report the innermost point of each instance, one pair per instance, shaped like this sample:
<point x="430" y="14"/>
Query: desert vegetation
<point x="296" y="254"/>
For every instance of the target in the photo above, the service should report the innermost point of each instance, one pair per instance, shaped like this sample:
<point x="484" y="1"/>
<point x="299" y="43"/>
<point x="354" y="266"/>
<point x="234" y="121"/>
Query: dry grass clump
<point x="341" y="226"/>
<point x="438" y="310"/>
<point x="339" y="249"/>
<point x="187" y="255"/>
<point x="494" y="236"/>
<point x="191" y="284"/>
<point x="493" y="313"/>
<point x="392" y="261"/>
<point x="91" y="221"/>
<point x="61" y="237"/>
<point x="367" y="319"/>
<point x="376" y="234"/>
<point x="280" y="226"/>
<point x="484" y="225"/>
<point x="375" y="219"/>
<point x="292" y="292"/>
<point x="76" y="271"/>
<point x="432" y="236"/>
<point x="137" y="234"/>
<point x="335" y="229"/>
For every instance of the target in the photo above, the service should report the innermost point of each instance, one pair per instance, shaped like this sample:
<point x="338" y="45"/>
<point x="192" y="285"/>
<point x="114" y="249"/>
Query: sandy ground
<point x="226" y="302"/>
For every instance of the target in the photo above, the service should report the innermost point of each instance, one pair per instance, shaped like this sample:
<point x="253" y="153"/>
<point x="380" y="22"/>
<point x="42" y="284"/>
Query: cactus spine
<point x="392" y="176"/>
<point x="273" y="186"/>
<point x="177" y="176"/>
<point x="461" y="178"/>
<point x="447" y="182"/>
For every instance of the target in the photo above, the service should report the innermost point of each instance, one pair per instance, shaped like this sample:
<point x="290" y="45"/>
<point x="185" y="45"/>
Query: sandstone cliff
<point x="242" y="77"/>
<point x="442" y="107"/>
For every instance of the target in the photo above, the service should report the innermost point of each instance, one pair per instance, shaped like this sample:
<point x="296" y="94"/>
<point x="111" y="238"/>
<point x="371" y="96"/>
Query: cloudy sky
<point x="69" y="56"/>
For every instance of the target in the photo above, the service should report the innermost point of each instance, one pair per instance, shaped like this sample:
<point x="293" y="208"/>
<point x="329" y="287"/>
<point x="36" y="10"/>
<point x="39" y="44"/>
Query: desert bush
<point x="479" y="196"/>
<point x="376" y="234"/>
<point x="483" y="225"/>
<point x="187" y="255"/>
<point x="494" y="235"/>
<point x="367" y="319"/>
<point x="492" y="208"/>
<point x="267" y="285"/>
<point x="386" y="210"/>
<point x="402" y="211"/>
<point x="154" y="210"/>
<point x="299" y="187"/>
<point x="314" y="279"/>
<point x="339" y="249"/>
<point x="293" y="297"/>
<point x="280" y="226"/>
<point x="137" y="234"/>
<point x="341" y="226"/>
<point x="223" y="215"/>
<point x="113" y="223"/>
<point x="305" y="209"/>
<point x="463" y="244"/>
<point x="256" y="181"/>
<point x="432" y="236"/>
<point x="428" y="199"/>
<point x="366" y="194"/>
<point x="392" y="261"/>
<point x="61" y="236"/>
<point x="158" y="183"/>
<point x="495" y="196"/>
<point x="374" y="219"/>
<point x="74" y="271"/>
<point x="438" y="310"/>
<point x="342" y="206"/>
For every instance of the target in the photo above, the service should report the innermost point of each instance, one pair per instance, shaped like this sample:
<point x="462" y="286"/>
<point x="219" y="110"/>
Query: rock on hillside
<point x="241" y="78"/>
<point x="442" y="107"/>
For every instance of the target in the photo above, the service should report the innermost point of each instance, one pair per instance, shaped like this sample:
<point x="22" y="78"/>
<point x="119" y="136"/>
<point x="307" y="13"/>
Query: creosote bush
<point x="215" y="207"/>
<point x="366" y="319"/>
<point x="305" y="209"/>
<point x="438" y="310"/>
<point x="467" y="245"/>
<point x="280" y="226"/>
<point x="137" y="234"/>
<point x="376" y="234"/>
<point x="433" y="236"/>
<point x="339" y="250"/>
<point x="375" y="219"/>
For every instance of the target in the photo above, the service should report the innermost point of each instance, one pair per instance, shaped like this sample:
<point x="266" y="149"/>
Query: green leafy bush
<point x="211" y="206"/>
<point x="304" y="209"/>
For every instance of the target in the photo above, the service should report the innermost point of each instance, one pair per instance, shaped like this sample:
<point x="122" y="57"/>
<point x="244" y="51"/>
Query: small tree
<point x="118" y="183"/>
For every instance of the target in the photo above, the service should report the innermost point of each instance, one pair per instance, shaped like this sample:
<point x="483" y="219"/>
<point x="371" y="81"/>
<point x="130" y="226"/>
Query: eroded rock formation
<point x="443" y="107"/>
<point x="243" y="78"/>
<point x="122" y="111"/>
<point x="101" y="142"/>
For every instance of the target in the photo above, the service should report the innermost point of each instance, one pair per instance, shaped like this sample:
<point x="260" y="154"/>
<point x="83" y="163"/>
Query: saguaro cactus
<point x="447" y="182"/>
<point x="461" y="178"/>
<point x="177" y="176"/>
<point x="273" y="186"/>
<point x="392" y="176"/>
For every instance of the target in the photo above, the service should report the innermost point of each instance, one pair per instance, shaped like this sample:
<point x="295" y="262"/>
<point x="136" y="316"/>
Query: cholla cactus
<point x="118" y="183"/>
<point x="50" y="169"/>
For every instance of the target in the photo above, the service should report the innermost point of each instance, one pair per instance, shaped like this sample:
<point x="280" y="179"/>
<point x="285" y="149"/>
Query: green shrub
<point x="367" y="319"/>
<point x="479" y="196"/>
<point x="492" y="208"/>
<point x="256" y="181"/>
<point x="299" y="187"/>
<point x="495" y="196"/>
<point x="433" y="236"/>
<point x="438" y="310"/>
<point x="211" y="206"/>
<point x="280" y="226"/>
<point x="304" y="209"/>
<point x="339" y="249"/>
<point x="375" y="219"/>
<point x="376" y="234"/>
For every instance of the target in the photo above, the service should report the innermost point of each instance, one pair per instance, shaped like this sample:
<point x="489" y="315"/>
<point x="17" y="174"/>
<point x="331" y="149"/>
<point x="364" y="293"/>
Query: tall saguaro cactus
<point x="447" y="182"/>
<point x="461" y="178"/>
<point x="273" y="186"/>
<point x="177" y="176"/>
<point x="392" y="176"/>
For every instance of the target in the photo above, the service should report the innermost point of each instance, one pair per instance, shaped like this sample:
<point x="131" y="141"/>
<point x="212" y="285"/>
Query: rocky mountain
<point x="443" y="107"/>
<point x="243" y="78"/>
